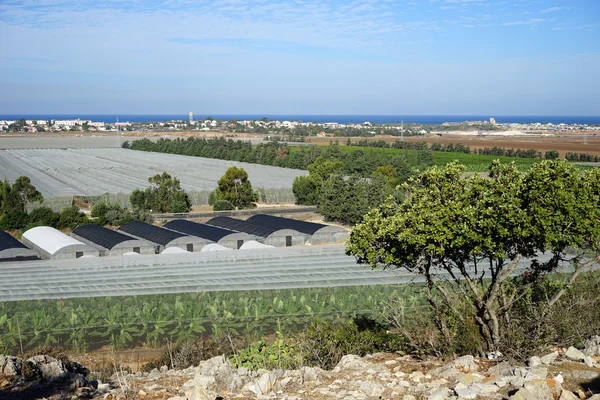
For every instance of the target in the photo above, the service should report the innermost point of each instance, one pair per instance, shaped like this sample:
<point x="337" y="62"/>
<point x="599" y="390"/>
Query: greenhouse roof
<point x="49" y="239"/>
<point x="9" y="242"/>
<point x="150" y="232"/>
<point x="285" y="223"/>
<point x="201" y="230"/>
<point x="242" y="226"/>
<point x="102" y="236"/>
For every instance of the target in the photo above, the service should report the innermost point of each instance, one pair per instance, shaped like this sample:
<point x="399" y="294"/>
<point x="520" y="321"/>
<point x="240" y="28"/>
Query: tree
<point x="166" y="194"/>
<point x="26" y="192"/>
<point x="235" y="187"/>
<point x="476" y="231"/>
<point x="71" y="218"/>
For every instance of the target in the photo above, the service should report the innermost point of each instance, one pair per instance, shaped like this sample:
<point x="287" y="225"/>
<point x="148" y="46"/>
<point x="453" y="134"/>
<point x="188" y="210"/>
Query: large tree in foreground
<point x="467" y="235"/>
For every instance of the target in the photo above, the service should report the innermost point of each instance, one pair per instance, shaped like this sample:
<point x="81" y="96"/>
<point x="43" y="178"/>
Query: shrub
<point x="551" y="155"/>
<point x="189" y="353"/>
<point x="222" y="205"/>
<point x="43" y="216"/>
<point x="14" y="220"/>
<point x="71" y="217"/>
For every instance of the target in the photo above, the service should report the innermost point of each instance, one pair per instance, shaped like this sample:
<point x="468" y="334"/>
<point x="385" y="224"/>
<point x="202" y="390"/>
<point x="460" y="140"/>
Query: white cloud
<point x="555" y="9"/>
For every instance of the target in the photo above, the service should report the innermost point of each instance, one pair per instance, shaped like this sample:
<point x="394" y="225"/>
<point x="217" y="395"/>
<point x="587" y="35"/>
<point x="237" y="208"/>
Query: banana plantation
<point x="83" y="324"/>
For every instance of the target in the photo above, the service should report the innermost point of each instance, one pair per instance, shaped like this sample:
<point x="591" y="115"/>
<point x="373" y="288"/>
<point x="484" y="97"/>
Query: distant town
<point x="297" y="128"/>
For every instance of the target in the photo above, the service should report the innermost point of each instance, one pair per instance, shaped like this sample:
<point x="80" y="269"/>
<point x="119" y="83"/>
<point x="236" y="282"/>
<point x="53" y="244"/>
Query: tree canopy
<point x="164" y="195"/>
<point x="467" y="234"/>
<point x="235" y="188"/>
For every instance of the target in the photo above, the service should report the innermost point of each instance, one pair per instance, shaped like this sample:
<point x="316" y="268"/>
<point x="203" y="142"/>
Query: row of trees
<point x="584" y="157"/>
<point x="281" y="155"/>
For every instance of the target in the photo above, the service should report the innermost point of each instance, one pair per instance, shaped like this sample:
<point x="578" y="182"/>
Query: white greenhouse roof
<point x="214" y="247"/>
<point x="174" y="250"/>
<point x="49" y="239"/>
<point x="253" y="244"/>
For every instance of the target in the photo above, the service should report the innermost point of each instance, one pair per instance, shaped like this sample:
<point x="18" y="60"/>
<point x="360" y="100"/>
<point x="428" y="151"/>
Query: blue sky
<point x="475" y="57"/>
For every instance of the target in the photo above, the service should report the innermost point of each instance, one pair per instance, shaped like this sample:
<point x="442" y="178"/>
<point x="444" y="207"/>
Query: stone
<point x="470" y="392"/>
<point x="351" y="361"/>
<point x="594" y="397"/>
<point x="534" y="362"/>
<point x="465" y="363"/>
<point x="589" y="361"/>
<point x="154" y="374"/>
<point x="371" y="389"/>
<point x="568" y="395"/>
<point x="103" y="387"/>
<point x="548" y="359"/>
<point x="200" y="394"/>
<point x="310" y="374"/>
<point x="504" y="368"/>
<point x="204" y="381"/>
<point x="12" y="366"/>
<point x="264" y="384"/>
<point x="582" y="374"/>
<point x="573" y="354"/>
<point x="440" y="394"/>
<point x="592" y="346"/>
<point x="164" y="369"/>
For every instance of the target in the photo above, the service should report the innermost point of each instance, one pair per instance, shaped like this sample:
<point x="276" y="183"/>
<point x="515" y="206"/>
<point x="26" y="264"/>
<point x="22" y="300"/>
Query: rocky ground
<point x="565" y="374"/>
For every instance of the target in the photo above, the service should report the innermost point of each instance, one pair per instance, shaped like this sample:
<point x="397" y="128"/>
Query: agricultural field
<point x="94" y="172"/>
<point x="153" y="320"/>
<point x="473" y="162"/>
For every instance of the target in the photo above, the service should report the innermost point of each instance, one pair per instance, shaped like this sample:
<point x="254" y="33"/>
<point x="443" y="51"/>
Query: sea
<point x="341" y="119"/>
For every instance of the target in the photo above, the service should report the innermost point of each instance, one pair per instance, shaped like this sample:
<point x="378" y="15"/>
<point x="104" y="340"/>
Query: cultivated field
<point x="93" y="172"/>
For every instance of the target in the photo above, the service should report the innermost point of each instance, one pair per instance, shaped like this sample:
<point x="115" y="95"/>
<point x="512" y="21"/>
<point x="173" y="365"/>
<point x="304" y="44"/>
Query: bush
<point x="189" y="353"/>
<point x="43" y="216"/>
<point x="222" y="205"/>
<point x="71" y="217"/>
<point x="551" y="155"/>
<point x="14" y="220"/>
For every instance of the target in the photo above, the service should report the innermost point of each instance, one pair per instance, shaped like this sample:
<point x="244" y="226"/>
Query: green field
<point x="473" y="162"/>
<point x="153" y="320"/>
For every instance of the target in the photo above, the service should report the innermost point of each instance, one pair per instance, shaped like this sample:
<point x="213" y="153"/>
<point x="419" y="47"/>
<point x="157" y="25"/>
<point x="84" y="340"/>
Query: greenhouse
<point x="319" y="233"/>
<point x="274" y="236"/>
<point x="51" y="244"/>
<point x="94" y="172"/>
<point x="224" y="237"/>
<point x="109" y="242"/>
<point x="162" y="238"/>
<point x="13" y="250"/>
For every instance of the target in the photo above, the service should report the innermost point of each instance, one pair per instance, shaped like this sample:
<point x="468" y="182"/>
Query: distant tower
<point x="191" y="116"/>
<point x="402" y="131"/>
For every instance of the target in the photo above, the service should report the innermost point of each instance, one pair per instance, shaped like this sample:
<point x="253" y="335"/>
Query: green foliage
<point x="212" y="198"/>
<point x="448" y="222"/>
<point x="113" y="214"/>
<point x="44" y="216"/>
<point x="14" y="220"/>
<point x="222" y="205"/>
<point x="164" y="195"/>
<point x="25" y="192"/>
<point x="305" y="190"/>
<point x="71" y="217"/>
<point x="126" y="145"/>
<point x="235" y="188"/>
<point x="551" y="155"/>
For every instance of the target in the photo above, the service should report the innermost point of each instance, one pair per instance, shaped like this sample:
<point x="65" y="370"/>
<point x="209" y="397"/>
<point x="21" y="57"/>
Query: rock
<point x="440" y="394"/>
<point x="537" y="390"/>
<point x="567" y="395"/>
<point x="349" y="362"/>
<point x="573" y="354"/>
<point x="582" y="374"/>
<point x="371" y="389"/>
<point x="154" y="374"/>
<point x="589" y="361"/>
<point x="534" y="362"/>
<point x="494" y="355"/>
<point x="177" y="398"/>
<point x="594" y="397"/>
<point x="12" y="366"/>
<point x="264" y="384"/>
<point x="465" y="363"/>
<point x="469" y="392"/>
<point x="204" y="382"/>
<point x="469" y="379"/>
<point x="103" y="387"/>
<point x="200" y="394"/>
<point x="164" y="369"/>
<point x="592" y="346"/>
<point x="218" y="367"/>
<point x="310" y="374"/>
<point x="504" y="368"/>
<point x="548" y="359"/>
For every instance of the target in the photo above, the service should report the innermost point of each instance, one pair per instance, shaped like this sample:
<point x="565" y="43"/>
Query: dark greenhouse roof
<point x="100" y="235"/>
<point x="151" y="232"/>
<point x="286" y="223"/>
<point x="9" y="242"/>
<point x="196" y="229"/>
<point x="242" y="226"/>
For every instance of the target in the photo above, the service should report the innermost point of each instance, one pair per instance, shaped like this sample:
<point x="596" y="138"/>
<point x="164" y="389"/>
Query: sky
<point x="394" y="57"/>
